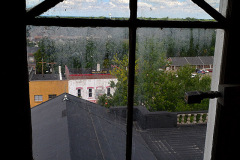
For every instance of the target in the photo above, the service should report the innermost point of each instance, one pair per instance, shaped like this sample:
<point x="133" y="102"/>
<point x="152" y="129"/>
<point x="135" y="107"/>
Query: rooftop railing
<point x="192" y="117"/>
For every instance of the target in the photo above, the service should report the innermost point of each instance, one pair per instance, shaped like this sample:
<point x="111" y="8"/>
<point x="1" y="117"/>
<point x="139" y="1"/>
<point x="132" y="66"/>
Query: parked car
<point x="201" y="72"/>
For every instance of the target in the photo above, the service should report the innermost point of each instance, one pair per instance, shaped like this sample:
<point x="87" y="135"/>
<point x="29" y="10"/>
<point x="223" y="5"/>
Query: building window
<point x="108" y="91"/>
<point x="51" y="96"/>
<point x="38" y="98"/>
<point x="90" y="92"/>
<point x="79" y="92"/>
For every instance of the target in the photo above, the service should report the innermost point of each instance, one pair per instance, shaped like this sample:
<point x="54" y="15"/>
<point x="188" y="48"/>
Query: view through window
<point x="78" y="82"/>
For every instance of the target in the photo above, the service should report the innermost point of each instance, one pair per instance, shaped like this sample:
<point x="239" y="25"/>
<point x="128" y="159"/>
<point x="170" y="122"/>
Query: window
<point x="90" y="92"/>
<point x="38" y="98"/>
<point x="108" y="91"/>
<point x="51" y="96"/>
<point x="134" y="26"/>
<point x="79" y="92"/>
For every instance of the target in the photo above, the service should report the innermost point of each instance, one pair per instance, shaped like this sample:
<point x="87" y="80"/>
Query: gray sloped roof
<point x="207" y="60"/>
<point x="201" y="60"/>
<point x="36" y="77"/>
<point x="194" y="61"/>
<point x="178" y="61"/>
<point x="181" y="143"/>
<point x="77" y="129"/>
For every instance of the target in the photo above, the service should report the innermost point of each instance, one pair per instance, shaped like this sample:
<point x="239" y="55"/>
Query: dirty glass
<point x="108" y="9"/>
<point x="170" y="62"/>
<point x="32" y="3"/>
<point x="214" y="3"/>
<point x="78" y="66"/>
<point x="172" y="10"/>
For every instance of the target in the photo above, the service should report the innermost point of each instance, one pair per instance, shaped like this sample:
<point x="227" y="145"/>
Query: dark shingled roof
<point x="78" y="129"/>
<point x="207" y="60"/>
<point x="38" y="77"/>
<point x="178" y="61"/>
<point x="74" y="129"/>
<point x="201" y="60"/>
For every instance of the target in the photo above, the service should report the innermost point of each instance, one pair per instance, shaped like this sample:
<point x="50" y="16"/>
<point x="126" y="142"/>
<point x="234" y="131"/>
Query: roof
<point x="36" y="77"/>
<point x="87" y="73"/>
<point x="78" y="129"/>
<point x="91" y="76"/>
<point x="201" y="60"/>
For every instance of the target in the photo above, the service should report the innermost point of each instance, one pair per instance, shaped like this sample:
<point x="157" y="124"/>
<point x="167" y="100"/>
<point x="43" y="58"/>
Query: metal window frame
<point x="132" y="23"/>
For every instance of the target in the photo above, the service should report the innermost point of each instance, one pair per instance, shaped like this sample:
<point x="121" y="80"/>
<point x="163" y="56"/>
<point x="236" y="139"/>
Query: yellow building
<point x="42" y="89"/>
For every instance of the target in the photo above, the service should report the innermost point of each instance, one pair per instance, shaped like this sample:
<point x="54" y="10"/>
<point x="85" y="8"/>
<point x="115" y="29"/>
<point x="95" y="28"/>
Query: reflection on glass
<point x="91" y="8"/>
<point x="171" y="9"/>
<point x="170" y="62"/>
<point x="72" y="83"/>
<point x="32" y="3"/>
<point x="214" y="3"/>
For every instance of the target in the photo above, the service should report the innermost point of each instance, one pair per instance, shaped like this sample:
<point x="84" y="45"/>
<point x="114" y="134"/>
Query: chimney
<point x="60" y="72"/>
<point x="98" y="67"/>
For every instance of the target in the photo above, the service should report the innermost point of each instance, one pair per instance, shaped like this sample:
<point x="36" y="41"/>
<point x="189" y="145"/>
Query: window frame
<point x="90" y="92"/>
<point x="37" y="98"/>
<point x="108" y="91"/>
<point x="52" y="96"/>
<point x="79" y="92"/>
<point x="133" y="23"/>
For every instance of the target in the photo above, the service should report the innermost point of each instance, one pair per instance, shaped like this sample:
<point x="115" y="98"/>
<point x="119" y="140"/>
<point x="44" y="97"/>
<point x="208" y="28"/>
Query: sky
<point x="120" y="8"/>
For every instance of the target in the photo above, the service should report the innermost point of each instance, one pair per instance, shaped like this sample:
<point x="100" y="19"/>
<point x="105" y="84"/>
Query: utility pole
<point x="42" y="65"/>
<point x="52" y="63"/>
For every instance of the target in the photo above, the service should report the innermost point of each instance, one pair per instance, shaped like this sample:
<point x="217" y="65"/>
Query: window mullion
<point x="131" y="73"/>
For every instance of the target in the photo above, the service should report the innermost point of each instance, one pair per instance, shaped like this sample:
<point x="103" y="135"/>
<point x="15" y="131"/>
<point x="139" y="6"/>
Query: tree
<point x="90" y="53"/>
<point x="156" y="89"/>
<point x="190" y="51"/>
<point x="120" y="70"/>
<point x="170" y="47"/>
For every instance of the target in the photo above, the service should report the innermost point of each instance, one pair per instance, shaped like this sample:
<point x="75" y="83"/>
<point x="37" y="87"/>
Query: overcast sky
<point x="120" y="8"/>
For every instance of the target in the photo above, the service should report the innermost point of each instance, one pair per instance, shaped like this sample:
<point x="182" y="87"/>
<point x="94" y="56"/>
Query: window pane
<point x="68" y="62"/>
<point x="214" y="3"/>
<point x="32" y="3"/>
<point x="90" y="8"/>
<point x="170" y="62"/>
<point x="172" y="9"/>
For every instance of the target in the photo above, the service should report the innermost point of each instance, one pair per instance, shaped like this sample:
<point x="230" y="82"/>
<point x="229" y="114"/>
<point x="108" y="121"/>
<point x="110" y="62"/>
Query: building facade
<point x="89" y="84"/>
<point x="43" y="87"/>
<point x="90" y="89"/>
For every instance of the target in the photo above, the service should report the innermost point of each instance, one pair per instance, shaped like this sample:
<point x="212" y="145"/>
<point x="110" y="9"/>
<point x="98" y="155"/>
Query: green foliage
<point x="105" y="100"/>
<point x="155" y="88"/>
<point x="120" y="70"/>
<point x="90" y="52"/>
<point x="39" y="55"/>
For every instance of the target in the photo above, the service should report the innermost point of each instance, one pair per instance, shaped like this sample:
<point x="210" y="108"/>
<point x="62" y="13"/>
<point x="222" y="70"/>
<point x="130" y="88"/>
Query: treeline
<point x="155" y="88"/>
<point x="142" y="18"/>
<point x="85" y="47"/>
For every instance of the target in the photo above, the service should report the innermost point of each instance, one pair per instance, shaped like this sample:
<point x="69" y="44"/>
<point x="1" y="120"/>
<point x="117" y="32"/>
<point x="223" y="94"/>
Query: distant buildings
<point x="89" y="84"/>
<point x="85" y="83"/>
<point x="45" y="87"/>
<point x="201" y="62"/>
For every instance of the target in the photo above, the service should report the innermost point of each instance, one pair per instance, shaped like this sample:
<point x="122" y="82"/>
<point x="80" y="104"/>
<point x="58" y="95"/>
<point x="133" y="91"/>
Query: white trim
<point x="214" y="87"/>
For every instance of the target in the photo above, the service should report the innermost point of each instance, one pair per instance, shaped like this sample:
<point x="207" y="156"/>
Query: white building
<point x="90" y="89"/>
<point x="89" y="86"/>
